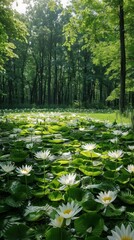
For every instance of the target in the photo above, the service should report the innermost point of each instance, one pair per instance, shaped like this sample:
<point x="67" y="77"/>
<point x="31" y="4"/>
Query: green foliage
<point x="11" y="29"/>
<point x="55" y="196"/>
<point x="18" y="231"/>
<point x="57" y="234"/>
<point x="89" y="223"/>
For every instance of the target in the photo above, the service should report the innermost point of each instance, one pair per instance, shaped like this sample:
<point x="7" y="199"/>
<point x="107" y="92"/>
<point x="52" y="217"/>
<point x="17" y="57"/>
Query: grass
<point x="111" y="117"/>
<point x="102" y="115"/>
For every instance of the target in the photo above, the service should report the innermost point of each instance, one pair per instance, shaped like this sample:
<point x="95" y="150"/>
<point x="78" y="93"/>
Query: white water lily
<point x="69" y="211"/>
<point x="89" y="146"/>
<point x="131" y="148"/>
<point x="39" y="120"/>
<point x="57" y="222"/>
<point x="123" y="233"/>
<point x="66" y="155"/>
<point x="130" y="168"/>
<point x="91" y="127"/>
<point x="73" y="123"/>
<point x="43" y="155"/>
<point x="116" y="154"/>
<point x="24" y="170"/>
<point x="114" y="140"/>
<point x="117" y="132"/>
<point x="9" y="167"/>
<point x="68" y="179"/>
<point x="13" y="135"/>
<point x="108" y="125"/>
<point x="106" y="198"/>
<point x="125" y="133"/>
<point x="16" y="130"/>
<point x="29" y="145"/>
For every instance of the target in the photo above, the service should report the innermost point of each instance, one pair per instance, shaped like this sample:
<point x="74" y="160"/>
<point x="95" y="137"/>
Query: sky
<point x="20" y="7"/>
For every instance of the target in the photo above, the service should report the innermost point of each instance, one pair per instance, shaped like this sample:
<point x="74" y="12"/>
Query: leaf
<point x="18" y="155"/>
<point x="35" y="216"/>
<point x="18" y="190"/>
<point x="123" y="178"/>
<point x="56" y="141"/>
<point x="36" y="209"/>
<point x="90" y="154"/>
<point x="89" y="221"/>
<point x="55" y="196"/>
<point x="54" y="184"/>
<point x="13" y="202"/>
<point x="111" y="165"/>
<point x="94" y="238"/>
<point x="63" y="161"/>
<point x="39" y="194"/>
<point x="130" y="216"/>
<point x="3" y="206"/>
<point x="57" y="234"/>
<point x="113" y="212"/>
<point x="91" y="205"/>
<point x="17" y="231"/>
<point x="90" y="172"/>
<point x="74" y="193"/>
<point x="127" y="197"/>
<point x="111" y="175"/>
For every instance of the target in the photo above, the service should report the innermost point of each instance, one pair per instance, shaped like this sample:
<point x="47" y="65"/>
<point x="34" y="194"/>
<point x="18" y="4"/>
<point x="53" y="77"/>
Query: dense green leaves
<point x="11" y="28"/>
<point x="57" y="234"/>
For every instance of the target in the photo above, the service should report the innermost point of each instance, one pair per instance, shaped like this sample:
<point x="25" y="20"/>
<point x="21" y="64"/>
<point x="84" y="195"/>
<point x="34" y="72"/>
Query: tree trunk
<point x="123" y="59"/>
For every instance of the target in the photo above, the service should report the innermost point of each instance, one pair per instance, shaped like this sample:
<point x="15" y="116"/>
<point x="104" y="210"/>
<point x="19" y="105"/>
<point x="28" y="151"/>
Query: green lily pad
<point x="55" y="196"/>
<point x="90" y="154"/>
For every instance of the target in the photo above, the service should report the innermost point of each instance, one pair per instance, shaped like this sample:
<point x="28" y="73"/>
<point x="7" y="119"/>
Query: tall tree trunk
<point x="49" y="70"/>
<point x="123" y="59"/>
<point x="55" y="88"/>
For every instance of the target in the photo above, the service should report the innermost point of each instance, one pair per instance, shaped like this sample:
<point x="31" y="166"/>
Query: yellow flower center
<point x="107" y="198"/>
<point x="60" y="219"/>
<point x="25" y="171"/>
<point x="126" y="238"/>
<point x="132" y="169"/>
<point x="67" y="211"/>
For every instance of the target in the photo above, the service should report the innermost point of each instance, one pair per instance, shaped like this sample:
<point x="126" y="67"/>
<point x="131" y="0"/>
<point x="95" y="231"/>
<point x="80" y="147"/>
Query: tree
<point x="123" y="57"/>
<point x="101" y="24"/>
<point x="11" y="28"/>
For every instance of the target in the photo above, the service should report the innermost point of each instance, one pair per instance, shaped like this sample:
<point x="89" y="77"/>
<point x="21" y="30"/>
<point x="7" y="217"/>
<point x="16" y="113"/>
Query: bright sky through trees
<point x="21" y="7"/>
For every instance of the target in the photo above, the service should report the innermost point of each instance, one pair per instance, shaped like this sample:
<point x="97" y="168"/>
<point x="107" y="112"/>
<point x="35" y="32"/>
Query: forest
<point x="67" y="120"/>
<point x="79" y="56"/>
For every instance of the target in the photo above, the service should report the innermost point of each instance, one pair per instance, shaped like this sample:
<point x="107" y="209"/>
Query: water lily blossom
<point x="66" y="155"/>
<point x="116" y="154"/>
<point x="16" y="130"/>
<point x="131" y="148"/>
<point x="106" y="198"/>
<point x="69" y="211"/>
<point x="7" y="168"/>
<point x="44" y="155"/>
<point x="29" y="145"/>
<point x="114" y="140"/>
<point x="89" y="146"/>
<point x="57" y="222"/>
<point x="130" y="168"/>
<point x="117" y="132"/>
<point x="24" y="170"/>
<point x="123" y="233"/>
<point x="68" y="179"/>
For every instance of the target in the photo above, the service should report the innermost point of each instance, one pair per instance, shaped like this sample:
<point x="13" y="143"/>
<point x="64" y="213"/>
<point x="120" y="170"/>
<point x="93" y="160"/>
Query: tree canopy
<point x="11" y="29"/>
<point x="81" y="55"/>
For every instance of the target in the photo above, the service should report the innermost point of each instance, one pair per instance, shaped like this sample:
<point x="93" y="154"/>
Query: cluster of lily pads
<point x="65" y="176"/>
